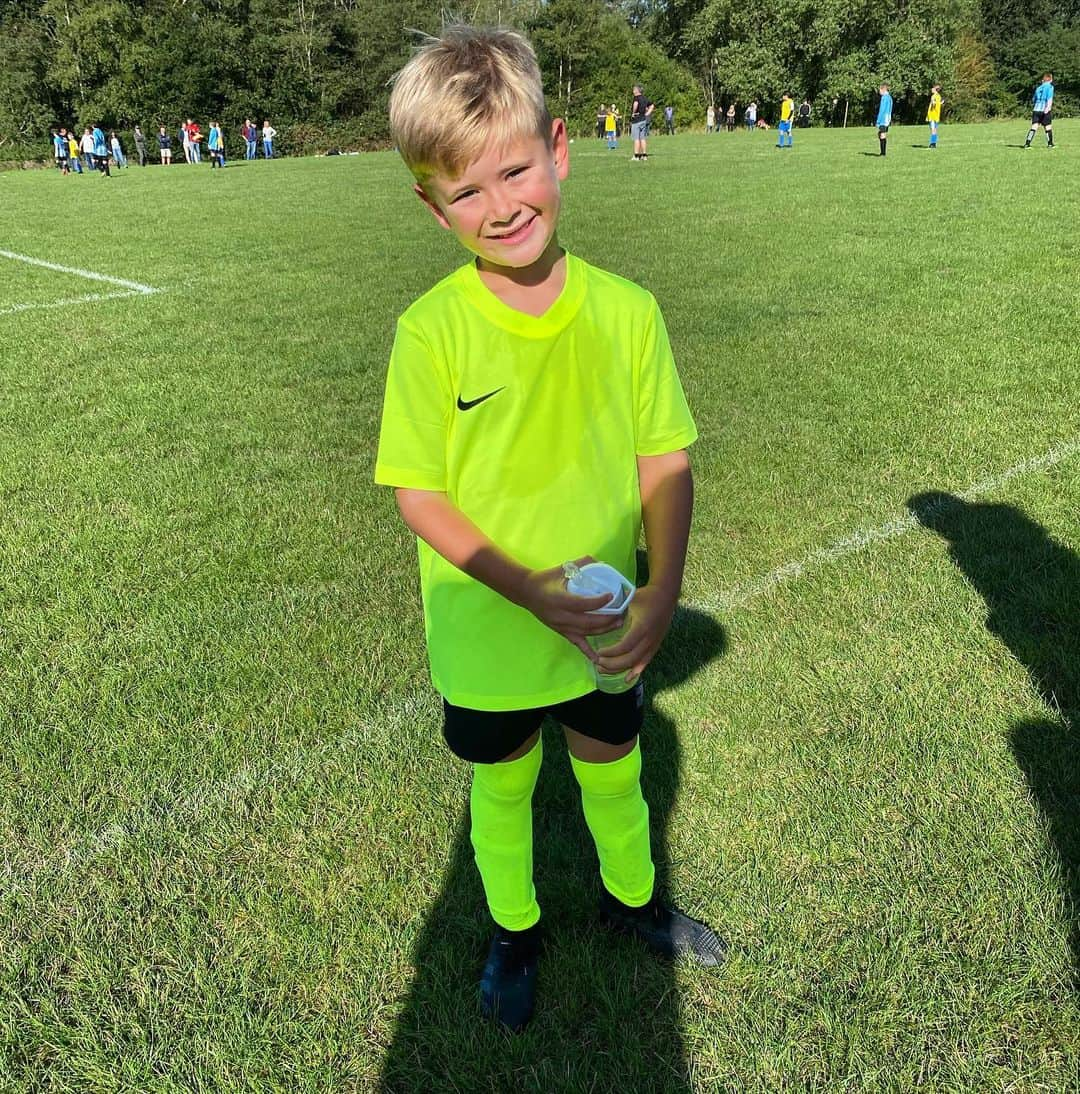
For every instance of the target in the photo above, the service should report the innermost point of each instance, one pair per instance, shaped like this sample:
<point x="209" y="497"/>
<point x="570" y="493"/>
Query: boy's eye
<point x="464" y="194"/>
<point x="516" y="171"/>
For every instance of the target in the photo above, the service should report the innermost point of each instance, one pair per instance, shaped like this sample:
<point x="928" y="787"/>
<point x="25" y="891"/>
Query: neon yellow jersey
<point x="933" y="112"/>
<point x="787" y="108"/>
<point x="609" y="123"/>
<point x="532" y="427"/>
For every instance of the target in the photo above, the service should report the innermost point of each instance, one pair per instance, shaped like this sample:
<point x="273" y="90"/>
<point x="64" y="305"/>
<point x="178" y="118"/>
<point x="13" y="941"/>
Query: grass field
<point x="234" y="845"/>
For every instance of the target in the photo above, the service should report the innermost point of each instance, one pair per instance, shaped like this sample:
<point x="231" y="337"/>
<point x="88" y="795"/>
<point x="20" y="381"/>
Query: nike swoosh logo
<point x="463" y="405"/>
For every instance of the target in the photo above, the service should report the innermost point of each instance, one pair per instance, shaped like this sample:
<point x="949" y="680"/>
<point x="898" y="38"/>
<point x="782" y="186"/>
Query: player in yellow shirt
<point x="533" y="415"/>
<point x="787" y="114"/>
<point x="611" y="127"/>
<point x="933" y="113"/>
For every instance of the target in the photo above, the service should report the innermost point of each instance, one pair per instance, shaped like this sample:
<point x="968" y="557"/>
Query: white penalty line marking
<point x="253" y="777"/>
<point x="131" y="288"/>
<point x="742" y="596"/>
<point x="72" y="301"/>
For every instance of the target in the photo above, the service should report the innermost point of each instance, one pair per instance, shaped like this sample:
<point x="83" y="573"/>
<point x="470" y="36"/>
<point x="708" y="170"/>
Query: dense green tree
<point x="321" y="69"/>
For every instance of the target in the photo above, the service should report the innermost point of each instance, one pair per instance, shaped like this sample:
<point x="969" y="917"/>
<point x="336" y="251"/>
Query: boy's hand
<point x="544" y="593"/>
<point x="650" y="612"/>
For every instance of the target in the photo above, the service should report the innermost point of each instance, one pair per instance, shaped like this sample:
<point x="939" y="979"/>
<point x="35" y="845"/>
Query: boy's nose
<point x="503" y="207"/>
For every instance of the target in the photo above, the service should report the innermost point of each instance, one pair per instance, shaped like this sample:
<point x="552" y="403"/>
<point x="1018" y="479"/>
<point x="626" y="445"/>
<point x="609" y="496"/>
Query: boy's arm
<point x="667" y="502"/>
<point x="449" y="532"/>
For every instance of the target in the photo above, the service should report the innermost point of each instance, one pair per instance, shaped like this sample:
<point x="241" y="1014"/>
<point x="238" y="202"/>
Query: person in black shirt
<point x="640" y="114"/>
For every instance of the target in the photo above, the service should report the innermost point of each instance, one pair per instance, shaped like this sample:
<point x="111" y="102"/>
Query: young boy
<point x="933" y="113"/>
<point x="1043" y="111"/>
<point x="611" y="127"/>
<point x="884" y="117"/>
<point x="783" y="130"/>
<point x="533" y="415"/>
<point x="215" y="145"/>
<point x="60" y="150"/>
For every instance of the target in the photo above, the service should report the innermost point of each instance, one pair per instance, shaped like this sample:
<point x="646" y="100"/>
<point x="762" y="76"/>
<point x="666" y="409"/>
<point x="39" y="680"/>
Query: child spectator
<point x="164" y="145"/>
<point x="140" y="146"/>
<point x="116" y="150"/>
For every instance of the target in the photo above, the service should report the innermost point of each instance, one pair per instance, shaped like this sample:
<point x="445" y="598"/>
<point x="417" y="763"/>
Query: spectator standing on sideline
<point x="101" y="152"/>
<point x="884" y="117"/>
<point x="640" y="115"/>
<point x="831" y="121"/>
<point x="196" y="142"/>
<point x="183" y="134"/>
<point x="601" y="122"/>
<point x="731" y="118"/>
<point x="268" y="135"/>
<point x="249" y="139"/>
<point x="751" y="117"/>
<point x="804" y="114"/>
<point x="933" y="113"/>
<point x="611" y="127"/>
<point x="116" y="150"/>
<point x="86" y="144"/>
<point x="164" y="145"/>
<point x="669" y="120"/>
<point x="73" y="152"/>
<point x="140" y="145"/>
<point x="710" y="118"/>
<point x="216" y="146"/>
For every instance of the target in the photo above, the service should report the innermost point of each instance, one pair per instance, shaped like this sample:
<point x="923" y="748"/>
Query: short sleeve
<point x="415" y="417"/>
<point x="664" y="422"/>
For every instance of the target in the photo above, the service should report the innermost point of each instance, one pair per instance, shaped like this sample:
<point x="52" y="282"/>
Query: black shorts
<point x="1044" y="118"/>
<point x="488" y="736"/>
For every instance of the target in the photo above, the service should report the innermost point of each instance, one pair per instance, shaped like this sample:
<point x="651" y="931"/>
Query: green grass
<point x="234" y="853"/>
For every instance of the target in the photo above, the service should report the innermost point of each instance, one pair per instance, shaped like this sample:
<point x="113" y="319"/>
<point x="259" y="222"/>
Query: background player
<point x="1043" y="112"/>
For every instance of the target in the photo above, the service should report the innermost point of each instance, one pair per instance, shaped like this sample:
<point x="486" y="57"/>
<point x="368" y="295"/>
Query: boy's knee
<point x="510" y="781"/>
<point x="612" y="779"/>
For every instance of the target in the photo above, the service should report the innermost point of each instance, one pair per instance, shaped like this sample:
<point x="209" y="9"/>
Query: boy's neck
<point x="531" y="289"/>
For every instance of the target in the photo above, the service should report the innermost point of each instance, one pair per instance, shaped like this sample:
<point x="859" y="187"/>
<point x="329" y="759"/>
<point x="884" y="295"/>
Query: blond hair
<point x="467" y="90"/>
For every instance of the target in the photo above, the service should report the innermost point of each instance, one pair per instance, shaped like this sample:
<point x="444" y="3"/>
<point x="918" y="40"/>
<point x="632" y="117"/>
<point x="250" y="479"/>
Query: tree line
<point x="320" y="68"/>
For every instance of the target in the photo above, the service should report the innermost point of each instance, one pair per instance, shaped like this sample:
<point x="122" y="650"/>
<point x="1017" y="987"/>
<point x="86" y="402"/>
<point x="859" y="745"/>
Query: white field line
<point x="90" y="275"/>
<point x="164" y="810"/>
<point x="251" y="777"/>
<point x="742" y="596"/>
<point x="73" y="301"/>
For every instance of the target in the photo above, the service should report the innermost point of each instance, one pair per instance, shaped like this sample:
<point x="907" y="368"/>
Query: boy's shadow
<point x="1031" y="585"/>
<point x="607" y="1016"/>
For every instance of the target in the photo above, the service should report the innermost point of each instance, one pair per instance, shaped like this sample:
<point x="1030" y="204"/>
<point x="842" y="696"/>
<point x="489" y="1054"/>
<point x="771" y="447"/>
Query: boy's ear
<point x="436" y="212"/>
<point x="560" y="149"/>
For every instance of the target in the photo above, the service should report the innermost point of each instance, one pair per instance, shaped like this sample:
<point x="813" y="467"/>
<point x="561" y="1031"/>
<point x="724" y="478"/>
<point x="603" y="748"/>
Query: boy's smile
<point x="504" y="206"/>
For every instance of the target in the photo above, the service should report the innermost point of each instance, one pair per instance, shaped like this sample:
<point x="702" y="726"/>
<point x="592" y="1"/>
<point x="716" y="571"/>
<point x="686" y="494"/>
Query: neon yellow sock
<point x="618" y="819"/>
<point x="501" y="803"/>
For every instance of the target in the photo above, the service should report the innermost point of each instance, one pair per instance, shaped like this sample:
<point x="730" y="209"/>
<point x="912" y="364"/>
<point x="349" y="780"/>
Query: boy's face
<point x="504" y="206"/>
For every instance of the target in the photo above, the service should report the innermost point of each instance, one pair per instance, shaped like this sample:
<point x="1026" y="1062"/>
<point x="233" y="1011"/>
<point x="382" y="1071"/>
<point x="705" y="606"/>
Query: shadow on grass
<point x="1031" y="585"/>
<point x="607" y="1016"/>
<point x="876" y="155"/>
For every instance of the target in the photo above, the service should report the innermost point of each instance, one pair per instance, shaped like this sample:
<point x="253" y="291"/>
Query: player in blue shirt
<point x="101" y="152"/>
<point x="884" y="117"/>
<point x="1043" y="111"/>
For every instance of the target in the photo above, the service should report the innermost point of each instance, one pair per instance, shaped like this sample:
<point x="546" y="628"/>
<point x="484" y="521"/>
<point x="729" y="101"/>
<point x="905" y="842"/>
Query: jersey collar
<point x="562" y="310"/>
